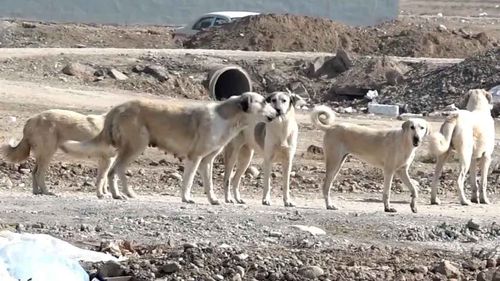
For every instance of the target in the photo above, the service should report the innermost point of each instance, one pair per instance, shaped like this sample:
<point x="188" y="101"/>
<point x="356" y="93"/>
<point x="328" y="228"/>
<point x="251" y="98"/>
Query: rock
<point x="6" y="182"/>
<point x="116" y="74"/>
<point x="236" y="277"/>
<point x="189" y="246"/>
<point x="473" y="225"/>
<point x="111" y="269"/>
<point x="157" y="72"/>
<point x="218" y="277"/>
<point x="241" y="271"/>
<point x="299" y="89"/>
<point x="421" y="269"/>
<point x="78" y="70"/>
<point x="491" y="274"/>
<point x="491" y="263"/>
<point x="442" y="28"/>
<point x="383" y="109"/>
<point x="275" y="234"/>
<point x="330" y="67"/>
<point x="171" y="267"/>
<point x="28" y="25"/>
<point x="314" y="149"/>
<point x="448" y="269"/>
<point x="252" y="171"/>
<point x="311" y="229"/>
<point x="310" y="272"/>
<point x="175" y="176"/>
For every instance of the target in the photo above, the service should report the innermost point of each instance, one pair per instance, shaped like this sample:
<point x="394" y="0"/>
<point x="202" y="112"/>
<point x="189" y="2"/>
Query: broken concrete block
<point x="383" y="109"/>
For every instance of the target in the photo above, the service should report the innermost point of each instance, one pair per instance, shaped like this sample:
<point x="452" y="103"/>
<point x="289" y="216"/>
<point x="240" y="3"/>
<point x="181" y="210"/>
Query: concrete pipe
<point x="225" y="81"/>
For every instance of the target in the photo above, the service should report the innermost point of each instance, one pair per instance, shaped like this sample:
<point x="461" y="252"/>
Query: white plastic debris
<point x="372" y="94"/>
<point x="495" y="91"/>
<point x="483" y="14"/>
<point x="440" y="15"/>
<point x="383" y="109"/>
<point x="42" y="257"/>
<point x="442" y="28"/>
<point x="311" y="229"/>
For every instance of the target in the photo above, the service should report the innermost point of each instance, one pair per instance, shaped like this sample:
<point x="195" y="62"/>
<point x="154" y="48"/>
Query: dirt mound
<point x="427" y="91"/>
<point x="300" y="33"/>
<point x="14" y="34"/>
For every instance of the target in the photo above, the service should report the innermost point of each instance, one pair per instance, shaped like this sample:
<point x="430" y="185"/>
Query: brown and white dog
<point x="195" y="132"/>
<point x="275" y="141"/>
<point x="392" y="150"/>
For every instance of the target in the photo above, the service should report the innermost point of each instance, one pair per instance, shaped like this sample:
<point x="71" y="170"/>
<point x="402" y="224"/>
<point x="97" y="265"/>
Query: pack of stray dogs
<point x="241" y="125"/>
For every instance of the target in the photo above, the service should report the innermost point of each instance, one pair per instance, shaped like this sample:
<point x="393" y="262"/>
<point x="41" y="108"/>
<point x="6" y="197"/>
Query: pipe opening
<point x="229" y="81"/>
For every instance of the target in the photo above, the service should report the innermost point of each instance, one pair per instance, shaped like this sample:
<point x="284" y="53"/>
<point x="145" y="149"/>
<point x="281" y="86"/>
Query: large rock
<point x="310" y="272"/>
<point x="79" y="70"/>
<point x="157" y="71"/>
<point x="330" y="67"/>
<point x="116" y="74"/>
<point x="447" y="269"/>
<point x="111" y="269"/>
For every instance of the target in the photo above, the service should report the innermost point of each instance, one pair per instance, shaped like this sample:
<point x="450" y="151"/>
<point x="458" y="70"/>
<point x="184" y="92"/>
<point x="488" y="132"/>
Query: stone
<point x="473" y="225"/>
<point x="383" y="109"/>
<point x="111" y="269"/>
<point x="28" y="25"/>
<point x="310" y="272"/>
<point x="311" y="229"/>
<point x="314" y="149"/>
<point x="252" y="172"/>
<point x="116" y="74"/>
<point x="157" y="72"/>
<point x="171" y="267"/>
<point x="448" y="269"/>
<point x="78" y="70"/>
<point x="442" y="28"/>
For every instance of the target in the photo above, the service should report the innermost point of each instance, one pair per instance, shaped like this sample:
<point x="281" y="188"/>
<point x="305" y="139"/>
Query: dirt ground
<point x="164" y="239"/>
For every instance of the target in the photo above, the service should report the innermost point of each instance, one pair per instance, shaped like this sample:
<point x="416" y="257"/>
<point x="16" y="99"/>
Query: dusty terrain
<point x="164" y="239"/>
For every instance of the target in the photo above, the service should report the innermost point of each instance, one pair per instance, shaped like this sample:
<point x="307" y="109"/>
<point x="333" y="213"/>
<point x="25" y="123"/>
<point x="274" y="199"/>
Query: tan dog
<point x="195" y="132"/>
<point x="392" y="150"/>
<point x="45" y="132"/>
<point x="275" y="141"/>
<point x="471" y="133"/>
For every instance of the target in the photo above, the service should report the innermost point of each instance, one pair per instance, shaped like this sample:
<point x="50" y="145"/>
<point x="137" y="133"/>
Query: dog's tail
<point x="322" y="117"/>
<point x="100" y="146"/>
<point x="16" y="153"/>
<point x="440" y="142"/>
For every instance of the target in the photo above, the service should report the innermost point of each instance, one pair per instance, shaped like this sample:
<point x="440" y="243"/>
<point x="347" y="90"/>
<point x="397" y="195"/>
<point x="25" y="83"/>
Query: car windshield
<point x="205" y="22"/>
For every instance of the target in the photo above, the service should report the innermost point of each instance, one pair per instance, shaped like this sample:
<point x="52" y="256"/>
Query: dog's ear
<point x="269" y="98"/>
<point x="427" y="129"/>
<point x="297" y="100"/>
<point x="245" y="103"/>
<point x="488" y="96"/>
<point x="406" y="125"/>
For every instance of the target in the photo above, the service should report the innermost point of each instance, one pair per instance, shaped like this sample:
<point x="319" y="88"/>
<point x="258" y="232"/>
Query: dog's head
<point x="283" y="102"/>
<point x="416" y="129"/>
<point x="478" y="99"/>
<point x="255" y="104"/>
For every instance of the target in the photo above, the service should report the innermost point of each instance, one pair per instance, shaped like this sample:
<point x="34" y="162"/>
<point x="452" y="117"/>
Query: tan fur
<point x="392" y="150"/>
<point x="471" y="133"/>
<point x="275" y="141"/>
<point x="44" y="133"/>
<point x="194" y="132"/>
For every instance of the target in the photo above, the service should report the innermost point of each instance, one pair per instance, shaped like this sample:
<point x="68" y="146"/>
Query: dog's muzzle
<point x="416" y="141"/>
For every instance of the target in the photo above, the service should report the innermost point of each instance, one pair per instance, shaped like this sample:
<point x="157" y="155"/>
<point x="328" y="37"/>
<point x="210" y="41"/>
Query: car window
<point x="203" y="23"/>
<point x="220" y="21"/>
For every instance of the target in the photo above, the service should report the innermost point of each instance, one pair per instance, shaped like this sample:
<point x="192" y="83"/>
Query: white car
<point x="210" y="20"/>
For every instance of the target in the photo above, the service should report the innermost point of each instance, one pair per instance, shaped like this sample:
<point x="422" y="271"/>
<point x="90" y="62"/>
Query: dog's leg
<point x="485" y="166"/>
<point x="438" y="170"/>
<point x="287" y="169"/>
<point x="465" y="159"/>
<point x="334" y="162"/>
<point x="473" y="181"/>
<point x="206" y="166"/>
<point x="230" y="157"/>
<point x="405" y="177"/>
<point x="43" y="160"/>
<point x="104" y="164"/>
<point x="267" y="167"/>
<point x="386" y="197"/>
<point x="36" y="188"/>
<point x="244" y="158"/>
<point x="187" y="179"/>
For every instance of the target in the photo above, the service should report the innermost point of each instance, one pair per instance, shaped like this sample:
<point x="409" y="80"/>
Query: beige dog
<point x="275" y="141"/>
<point x="471" y="133"/>
<point x="196" y="132"/>
<point x="392" y="150"/>
<point x="45" y="132"/>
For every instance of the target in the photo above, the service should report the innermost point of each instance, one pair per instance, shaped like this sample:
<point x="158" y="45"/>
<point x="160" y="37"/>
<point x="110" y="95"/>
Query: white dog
<point x="275" y="141"/>
<point x="195" y="132"/>
<point x="392" y="150"/>
<point x="471" y="133"/>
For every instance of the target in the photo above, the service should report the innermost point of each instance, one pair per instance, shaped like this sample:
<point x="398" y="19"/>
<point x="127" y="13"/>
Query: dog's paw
<point x="120" y="197"/>
<point x="214" y="202"/>
<point x="240" y="201"/>
<point x="414" y="209"/>
<point x="474" y="199"/>
<point x="435" y="201"/>
<point x="390" y="210"/>
<point x="131" y="194"/>
<point x="266" y="202"/>
<point x="289" y="204"/>
<point x="465" y="202"/>
<point x="485" y="201"/>
<point x="331" y="207"/>
<point x="100" y="196"/>
<point x="189" y="201"/>
<point x="229" y="201"/>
